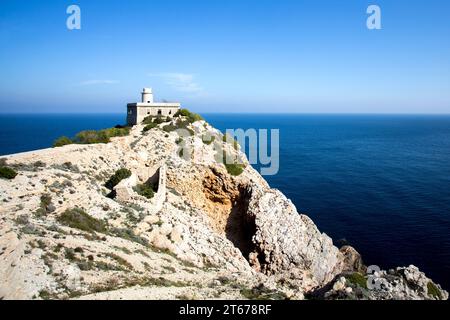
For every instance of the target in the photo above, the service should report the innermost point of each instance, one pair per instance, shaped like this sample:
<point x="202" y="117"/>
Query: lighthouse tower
<point x="147" y="95"/>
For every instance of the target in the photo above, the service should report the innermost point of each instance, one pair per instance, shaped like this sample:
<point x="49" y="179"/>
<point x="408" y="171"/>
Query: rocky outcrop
<point x="285" y="240"/>
<point x="406" y="283"/>
<point x="207" y="234"/>
<point x="352" y="260"/>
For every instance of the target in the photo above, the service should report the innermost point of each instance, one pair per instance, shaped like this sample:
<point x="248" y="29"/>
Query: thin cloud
<point x="183" y="82"/>
<point x="97" y="82"/>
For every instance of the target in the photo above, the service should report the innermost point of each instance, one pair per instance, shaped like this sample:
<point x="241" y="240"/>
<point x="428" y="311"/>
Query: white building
<point x="138" y="111"/>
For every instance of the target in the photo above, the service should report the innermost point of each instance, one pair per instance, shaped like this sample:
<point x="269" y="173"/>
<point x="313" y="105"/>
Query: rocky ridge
<point x="63" y="236"/>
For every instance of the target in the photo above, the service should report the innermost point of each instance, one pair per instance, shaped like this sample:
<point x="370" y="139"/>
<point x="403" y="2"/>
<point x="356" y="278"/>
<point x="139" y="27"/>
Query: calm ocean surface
<point x="381" y="182"/>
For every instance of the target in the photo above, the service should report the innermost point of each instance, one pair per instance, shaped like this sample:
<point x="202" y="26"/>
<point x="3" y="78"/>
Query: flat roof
<point x="155" y="104"/>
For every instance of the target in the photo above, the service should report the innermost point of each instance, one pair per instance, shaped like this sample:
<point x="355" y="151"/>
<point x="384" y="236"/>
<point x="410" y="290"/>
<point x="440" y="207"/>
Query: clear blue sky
<point x="226" y="56"/>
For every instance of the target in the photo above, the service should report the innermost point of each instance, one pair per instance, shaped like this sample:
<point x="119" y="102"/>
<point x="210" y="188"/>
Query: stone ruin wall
<point x="124" y="190"/>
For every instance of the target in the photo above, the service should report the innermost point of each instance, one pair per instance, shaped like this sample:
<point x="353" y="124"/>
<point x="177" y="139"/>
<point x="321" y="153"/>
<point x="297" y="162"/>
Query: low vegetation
<point x="231" y="164"/>
<point x="93" y="136"/>
<point x="149" y="126"/>
<point x="433" y="290"/>
<point x="155" y="120"/>
<point x="262" y="293"/>
<point x="235" y="169"/>
<point x="179" y="124"/>
<point x="159" y="120"/>
<point x="170" y="128"/>
<point x="129" y="235"/>
<point x="46" y="206"/>
<point x="357" y="279"/>
<point x="78" y="219"/>
<point x="118" y="176"/>
<point x="191" y="116"/>
<point x="121" y="261"/>
<point x="145" y="190"/>
<point x="62" y="141"/>
<point x="157" y="282"/>
<point x="46" y="200"/>
<point x="7" y="173"/>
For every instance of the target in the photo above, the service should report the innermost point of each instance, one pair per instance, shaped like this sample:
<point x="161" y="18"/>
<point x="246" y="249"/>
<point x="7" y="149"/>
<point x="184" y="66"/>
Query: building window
<point x="159" y="112"/>
<point x="170" y="112"/>
<point x="148" y="112"/>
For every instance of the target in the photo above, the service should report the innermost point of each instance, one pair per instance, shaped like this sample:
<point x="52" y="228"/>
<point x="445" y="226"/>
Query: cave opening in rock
<point x="227" y="207"/>
<point x="240" y="227"/>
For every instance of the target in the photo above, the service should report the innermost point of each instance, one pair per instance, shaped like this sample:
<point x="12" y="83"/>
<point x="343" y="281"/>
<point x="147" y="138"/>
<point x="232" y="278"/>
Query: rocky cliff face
<point x="214" y="235"/>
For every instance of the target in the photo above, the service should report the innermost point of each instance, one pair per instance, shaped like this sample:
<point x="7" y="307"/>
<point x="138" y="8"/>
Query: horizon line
<point x="237" y="113"/>
<point x="234" y="113"/>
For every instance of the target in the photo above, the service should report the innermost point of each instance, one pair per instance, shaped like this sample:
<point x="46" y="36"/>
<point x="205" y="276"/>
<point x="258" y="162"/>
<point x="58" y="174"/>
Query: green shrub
<point x="179" y="124"/>
<point x="235" y="169"/>
<point x="7" y="173"/>
<point x="145" y="190"/>
<point x="192" y="117"/>
<point x="149" y="126"/>
<point x="45" y="295"/>
<point x="159" y="120"/>
<point x="93" y="136"/>
<point x="69" y="254"/>
<point x="46" y="200"/>
<point x="195" y="117"/>
<point x="182" y="112"/>
<point x="231" y="163"/>
<point x="121" y="261"/>
<point x="128" y="234"/>
<point x="148" y="120"/>
<point x="77" y="218"/>
<point x="118" y="176"/>
<point x="433" y="290"/>
<point x="169" y="128"/>
<point x="116" y="132"/>
<point x="155" y="119"/>
<point x="262" y="293"/>
<point x="357" y="279"/>
<point x="184" y="125"/>
<point x="46" y="205"/>
<point x="62" y="141"/>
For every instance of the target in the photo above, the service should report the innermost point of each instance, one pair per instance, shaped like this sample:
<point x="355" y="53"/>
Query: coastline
<point x="314" y="254"/>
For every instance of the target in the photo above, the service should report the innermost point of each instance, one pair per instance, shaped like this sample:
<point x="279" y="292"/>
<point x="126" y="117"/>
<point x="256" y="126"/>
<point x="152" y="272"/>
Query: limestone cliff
<point x="204" y="234"/>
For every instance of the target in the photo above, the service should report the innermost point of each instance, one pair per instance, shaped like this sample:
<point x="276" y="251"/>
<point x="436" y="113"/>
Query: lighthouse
<point x="138" y="111"/>
<point x="147" y="95"/>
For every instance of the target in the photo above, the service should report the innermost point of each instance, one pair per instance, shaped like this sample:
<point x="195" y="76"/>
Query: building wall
<point x="132" y="116"/>
<point x="144" y="112"/>
<point x="124" y="190"/>
<point x="136" y="115"/>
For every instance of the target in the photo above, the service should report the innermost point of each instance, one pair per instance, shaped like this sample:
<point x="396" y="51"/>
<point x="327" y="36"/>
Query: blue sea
<point x="380" y="183"/>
